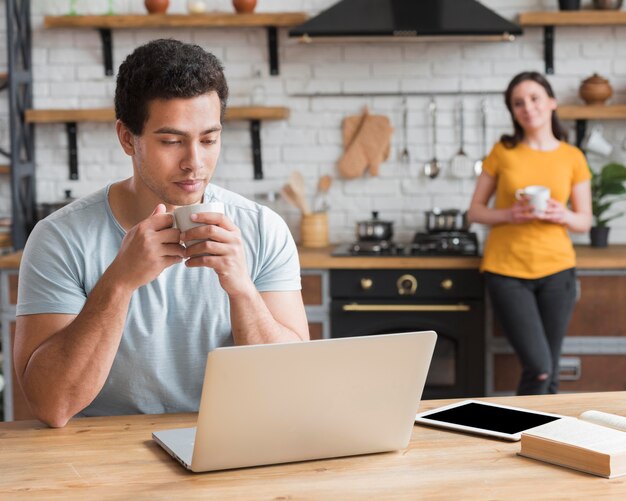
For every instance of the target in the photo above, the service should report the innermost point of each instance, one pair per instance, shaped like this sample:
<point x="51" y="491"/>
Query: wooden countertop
<point x="11" y="261"/>
<point x="115" y="458"/>
<point x="611" y="257"/>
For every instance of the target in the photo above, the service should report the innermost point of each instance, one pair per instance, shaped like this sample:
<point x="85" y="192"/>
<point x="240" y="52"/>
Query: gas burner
<point x="369" y="248"/>
<point x="447" y="243"/>
<point x="444" y="243"/>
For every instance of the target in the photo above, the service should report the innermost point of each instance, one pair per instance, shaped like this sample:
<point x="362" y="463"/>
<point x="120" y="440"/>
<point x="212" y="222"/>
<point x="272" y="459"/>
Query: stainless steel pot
<point x="446" y="220"/>
<point x="374" y="229"/>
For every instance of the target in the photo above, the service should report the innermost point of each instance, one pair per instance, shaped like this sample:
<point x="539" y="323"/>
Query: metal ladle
<point x="405" y="156"/>
<point x="478" y="165"/>
<point x="432" y="168"/>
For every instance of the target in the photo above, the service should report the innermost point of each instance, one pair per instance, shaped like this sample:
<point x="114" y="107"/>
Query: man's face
<point x="176" y="154"/>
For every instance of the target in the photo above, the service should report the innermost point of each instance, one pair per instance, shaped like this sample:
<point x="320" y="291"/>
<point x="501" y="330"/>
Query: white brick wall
<point x="68" y="72"/>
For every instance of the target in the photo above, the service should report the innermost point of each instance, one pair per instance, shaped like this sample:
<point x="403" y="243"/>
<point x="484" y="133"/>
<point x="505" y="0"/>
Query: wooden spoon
<point x="294" y="199"/>
<point x="323" y="185"/>
<point x="320" y="204"/>
<point x="296" y="181"/>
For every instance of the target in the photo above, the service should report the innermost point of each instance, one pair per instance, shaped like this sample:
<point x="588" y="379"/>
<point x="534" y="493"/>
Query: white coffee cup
<point x="595" y="142"/>
<point x="182" y="216"/>
<point x="537" y="197"/>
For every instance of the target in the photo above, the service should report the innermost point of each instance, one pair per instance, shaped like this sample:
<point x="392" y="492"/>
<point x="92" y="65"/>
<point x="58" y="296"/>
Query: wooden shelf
<point x="104" y="24"/>
<point x="5" y="240"/>
<point x="586" y="112"/>
<point x="573" y="18"/>
<point x="209" y="20"/>
<point x="5" y="169"/>
<point x="253" y="114"/>
<point x="108" y="114"/>
<point x="548" y="20"/>
<point x="581" y="113"/>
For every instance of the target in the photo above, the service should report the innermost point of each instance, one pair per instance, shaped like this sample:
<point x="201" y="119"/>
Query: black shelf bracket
<point x="107" y="50"/>
<point x="272" y="43"/>
<point x="548" y="49"/>
<point x="255" y="134"/>
<point x="72" y="148"/>
<point x="581" y="129"/>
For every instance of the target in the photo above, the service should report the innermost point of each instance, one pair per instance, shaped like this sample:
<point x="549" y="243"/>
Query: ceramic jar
<point x="157" y="6"/>
<point x="595" y="90"/>
<point x="244" y="6"/>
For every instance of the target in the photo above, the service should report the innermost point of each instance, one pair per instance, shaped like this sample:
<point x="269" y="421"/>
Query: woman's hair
<point x="512" y="140"/>
<point x="165" y="69"/>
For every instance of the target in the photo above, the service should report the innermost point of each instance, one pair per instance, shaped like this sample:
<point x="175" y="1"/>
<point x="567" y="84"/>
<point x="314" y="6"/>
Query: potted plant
<point x="607" y="187"/>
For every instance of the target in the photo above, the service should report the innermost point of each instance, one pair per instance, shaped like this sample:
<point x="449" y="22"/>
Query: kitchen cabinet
<point x="15" y="406"/>
<point x="594" y="350"/>
<point x="316" y="298"/>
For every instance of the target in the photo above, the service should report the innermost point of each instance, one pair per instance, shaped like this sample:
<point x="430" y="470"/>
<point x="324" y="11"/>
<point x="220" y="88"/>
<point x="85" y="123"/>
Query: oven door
<point x="458" y="365"/>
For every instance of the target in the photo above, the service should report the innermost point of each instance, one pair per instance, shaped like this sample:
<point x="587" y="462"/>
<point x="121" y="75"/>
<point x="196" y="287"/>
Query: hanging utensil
<point x="432" y="168"/>
<point x="461" y="165"/>
<point x="478" y="165"/>
<point x="405" y="156"/>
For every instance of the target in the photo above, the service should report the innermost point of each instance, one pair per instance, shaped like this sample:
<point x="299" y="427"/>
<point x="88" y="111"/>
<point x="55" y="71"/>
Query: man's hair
<point x="165" y="69"/>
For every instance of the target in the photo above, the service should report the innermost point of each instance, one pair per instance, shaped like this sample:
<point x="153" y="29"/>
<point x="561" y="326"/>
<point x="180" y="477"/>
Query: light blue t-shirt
<point x="172" y="322"/>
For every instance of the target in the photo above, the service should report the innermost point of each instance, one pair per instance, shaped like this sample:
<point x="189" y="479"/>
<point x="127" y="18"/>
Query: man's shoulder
<point x="83" y="208"/>
<point x="232" y="200"/>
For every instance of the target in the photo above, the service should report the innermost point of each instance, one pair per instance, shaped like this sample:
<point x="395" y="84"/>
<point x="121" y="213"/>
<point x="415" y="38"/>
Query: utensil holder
<point x="314" y="230"/>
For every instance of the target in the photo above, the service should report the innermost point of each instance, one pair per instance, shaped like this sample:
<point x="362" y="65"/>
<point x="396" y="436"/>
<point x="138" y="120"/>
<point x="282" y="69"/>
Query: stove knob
<point x="407" y="285"/>
<point x="366" y="283"/>
<point x="447" y="284"/>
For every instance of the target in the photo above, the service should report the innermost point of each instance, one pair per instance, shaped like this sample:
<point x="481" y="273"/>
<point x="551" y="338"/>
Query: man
<point x="115" y="316"/>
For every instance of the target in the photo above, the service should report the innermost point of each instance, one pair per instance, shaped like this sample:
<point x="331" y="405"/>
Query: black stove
<point x="443" y="243"/>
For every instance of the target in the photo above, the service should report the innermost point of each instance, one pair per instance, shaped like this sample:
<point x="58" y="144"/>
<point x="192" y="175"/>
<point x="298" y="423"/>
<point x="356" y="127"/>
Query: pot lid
<point x="595" y="79"/>
<point x="375" y="219"/>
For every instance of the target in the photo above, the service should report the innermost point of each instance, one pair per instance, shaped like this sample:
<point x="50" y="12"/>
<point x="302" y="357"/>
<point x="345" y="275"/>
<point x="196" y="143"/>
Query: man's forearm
<point x="69" y="369"/>
<point x="253" y="323"/>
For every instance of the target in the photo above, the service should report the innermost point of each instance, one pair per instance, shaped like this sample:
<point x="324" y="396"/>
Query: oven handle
<point x="405" y="307"/>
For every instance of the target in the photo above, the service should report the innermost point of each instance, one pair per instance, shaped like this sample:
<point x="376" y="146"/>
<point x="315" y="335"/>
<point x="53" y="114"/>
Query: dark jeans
<point x="534" y="315"/>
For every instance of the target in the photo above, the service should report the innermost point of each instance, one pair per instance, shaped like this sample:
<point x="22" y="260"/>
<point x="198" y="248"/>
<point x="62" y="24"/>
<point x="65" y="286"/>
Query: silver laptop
<point x="277" y="403"/>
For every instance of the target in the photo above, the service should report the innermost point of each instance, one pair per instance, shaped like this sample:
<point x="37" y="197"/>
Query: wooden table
<point x="115" y="458"/>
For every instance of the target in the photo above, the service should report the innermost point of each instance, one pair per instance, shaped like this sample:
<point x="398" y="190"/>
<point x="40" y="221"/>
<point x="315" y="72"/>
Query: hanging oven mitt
<point x="367" y="141"/>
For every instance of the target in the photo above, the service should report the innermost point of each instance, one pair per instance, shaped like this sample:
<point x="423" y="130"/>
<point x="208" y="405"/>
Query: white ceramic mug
<point x="182" y="216"/>
<point x="595" y="142"/>
<point x="537" y="197"/>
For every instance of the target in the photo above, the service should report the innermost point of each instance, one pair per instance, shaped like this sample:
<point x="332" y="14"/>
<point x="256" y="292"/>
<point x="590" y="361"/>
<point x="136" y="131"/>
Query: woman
<point x="528" y="258"/>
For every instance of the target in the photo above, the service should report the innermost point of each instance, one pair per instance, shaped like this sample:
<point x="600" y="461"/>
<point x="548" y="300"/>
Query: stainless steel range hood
<point x="403" y="20"/>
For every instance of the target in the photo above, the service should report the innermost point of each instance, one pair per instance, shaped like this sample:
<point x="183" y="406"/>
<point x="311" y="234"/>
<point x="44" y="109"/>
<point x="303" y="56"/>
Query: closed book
<point x="578" y="444"/>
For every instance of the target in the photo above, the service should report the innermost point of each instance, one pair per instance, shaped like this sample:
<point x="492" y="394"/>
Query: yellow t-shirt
<point x="537" y="248"/>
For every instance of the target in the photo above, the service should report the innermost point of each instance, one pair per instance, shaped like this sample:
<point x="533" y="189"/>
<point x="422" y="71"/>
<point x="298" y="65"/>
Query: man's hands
<point x="147" y="249"/>
<point x="222" y="250"/>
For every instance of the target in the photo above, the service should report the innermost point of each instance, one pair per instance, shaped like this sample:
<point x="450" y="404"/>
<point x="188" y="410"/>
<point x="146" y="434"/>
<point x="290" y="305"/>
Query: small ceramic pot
<point x="595" y="90"/>
<point x="157" y="6"/>
<point x="244" y="6"/>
